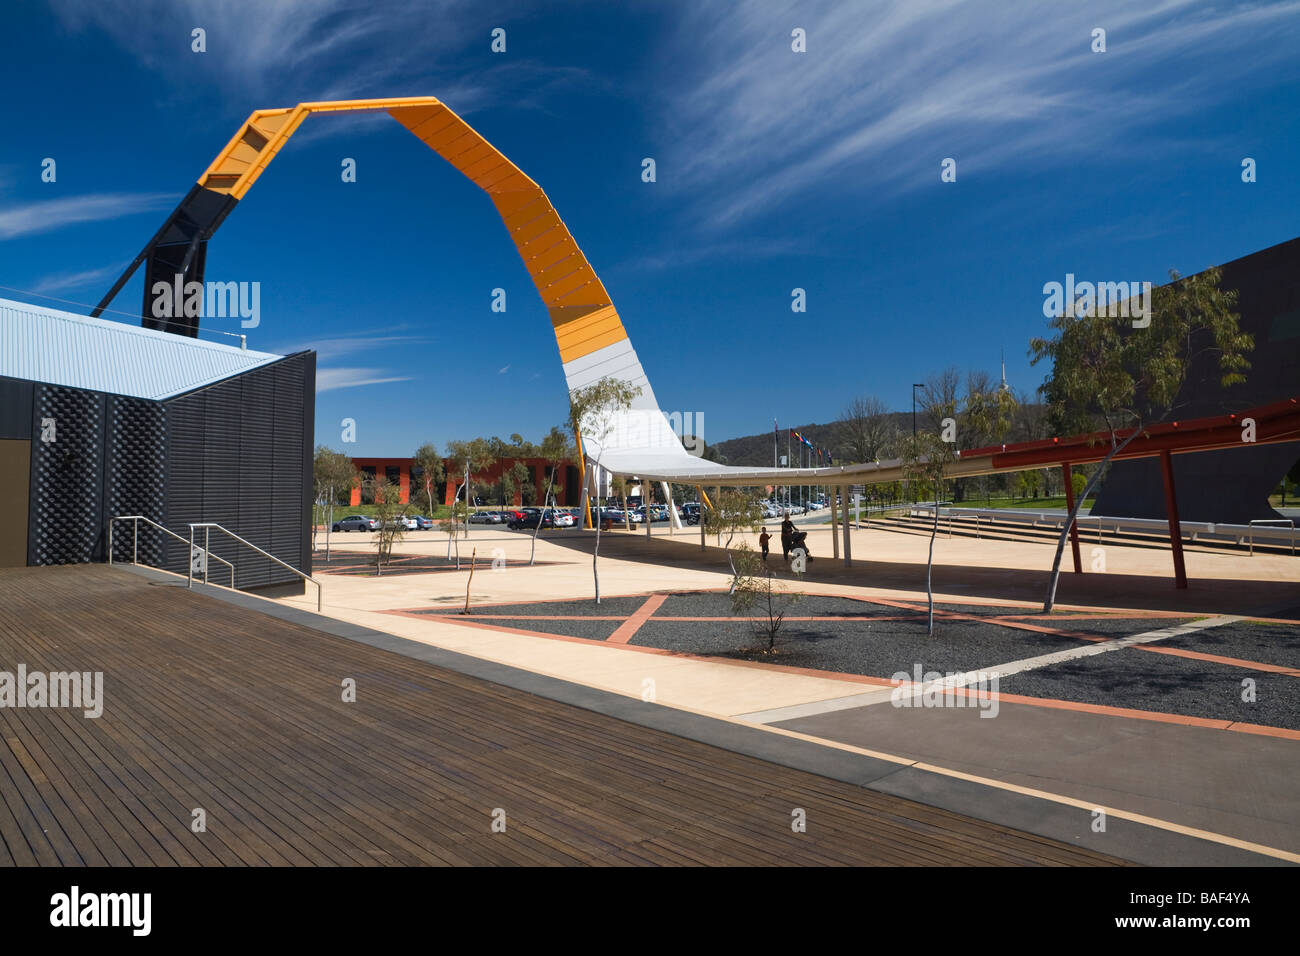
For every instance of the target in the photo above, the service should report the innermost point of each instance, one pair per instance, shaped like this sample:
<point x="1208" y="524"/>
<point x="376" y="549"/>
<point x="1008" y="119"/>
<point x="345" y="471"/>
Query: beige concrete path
<point x="1016" y="756"/>
<point x="629" y="564"/>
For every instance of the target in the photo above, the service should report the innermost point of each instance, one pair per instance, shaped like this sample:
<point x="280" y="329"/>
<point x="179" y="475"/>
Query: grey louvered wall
<point x="238" y="454"/>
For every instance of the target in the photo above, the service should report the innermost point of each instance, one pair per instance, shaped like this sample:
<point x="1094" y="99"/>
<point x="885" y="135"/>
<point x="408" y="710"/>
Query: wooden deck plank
<point x="214" y="706"/>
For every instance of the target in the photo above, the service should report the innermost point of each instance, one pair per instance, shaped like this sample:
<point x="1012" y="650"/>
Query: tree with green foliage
<point x="474" y="456"/>
<point x="515" y="480"/>
<point x="388" y="509"/>
<point x="757" y="587"/>
<point x="1111" y="372"/>
<point x="432" y="472"/>
<point x="333" y="473"/>
<point x="987" y="415"/>
<point x="556" y="448"/>
<point x="593" y="412"/>
<point x="736" y="511"/>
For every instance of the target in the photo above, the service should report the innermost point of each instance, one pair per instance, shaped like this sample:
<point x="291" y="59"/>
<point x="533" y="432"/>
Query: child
<point x="763" y="539"/>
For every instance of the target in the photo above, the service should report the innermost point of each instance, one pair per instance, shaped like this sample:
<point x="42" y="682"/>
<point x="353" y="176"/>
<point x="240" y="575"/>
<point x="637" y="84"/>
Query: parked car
<point x="483" y="517"/>
<point x="564" y="519"/>
<point x="356" y="523"/>
<point x="423" y="523"/>
<point x="529" y="520"/>
<point x="690" y="512"/>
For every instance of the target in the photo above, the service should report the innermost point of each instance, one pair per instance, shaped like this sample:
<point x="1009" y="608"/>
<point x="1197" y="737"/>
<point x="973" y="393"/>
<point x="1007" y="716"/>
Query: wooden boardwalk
<point x="209" y="706"/>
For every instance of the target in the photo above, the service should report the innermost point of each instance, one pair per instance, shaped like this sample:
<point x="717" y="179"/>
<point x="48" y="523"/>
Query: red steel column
<point x="1175" y="529"/>
<point x="1069" y="506"/>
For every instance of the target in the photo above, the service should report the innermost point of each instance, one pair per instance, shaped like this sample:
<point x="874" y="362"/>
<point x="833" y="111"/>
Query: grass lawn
<point x="1031" y="504"/>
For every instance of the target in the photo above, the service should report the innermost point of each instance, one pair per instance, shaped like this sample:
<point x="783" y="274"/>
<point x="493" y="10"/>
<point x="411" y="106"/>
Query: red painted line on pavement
<point x="627" y="630"/>
<point x="1217" y="659"/>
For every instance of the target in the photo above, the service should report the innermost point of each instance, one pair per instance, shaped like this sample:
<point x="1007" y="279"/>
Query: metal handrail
<point x="135" y="542"/>
<point x="1244" y="533"/>
<point x="207" y="526"/>
<point x="1271" y="521"/>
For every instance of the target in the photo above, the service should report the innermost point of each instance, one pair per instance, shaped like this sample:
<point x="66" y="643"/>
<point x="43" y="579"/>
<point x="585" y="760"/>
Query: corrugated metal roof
<point x="60" y="348"/>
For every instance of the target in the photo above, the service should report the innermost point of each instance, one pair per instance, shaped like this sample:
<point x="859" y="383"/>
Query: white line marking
<point x="814" y="708"/>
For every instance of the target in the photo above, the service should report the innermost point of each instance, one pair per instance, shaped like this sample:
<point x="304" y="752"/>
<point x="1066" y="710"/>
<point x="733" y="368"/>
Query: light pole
<point x="915" y="386"/>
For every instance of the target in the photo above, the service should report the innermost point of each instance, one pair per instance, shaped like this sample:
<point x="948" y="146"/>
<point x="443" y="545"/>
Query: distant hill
<point x="757" y="449"/>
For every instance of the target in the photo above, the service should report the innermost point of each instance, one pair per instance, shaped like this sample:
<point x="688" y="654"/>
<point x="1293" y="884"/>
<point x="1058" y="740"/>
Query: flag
<point x="829" y="460"/>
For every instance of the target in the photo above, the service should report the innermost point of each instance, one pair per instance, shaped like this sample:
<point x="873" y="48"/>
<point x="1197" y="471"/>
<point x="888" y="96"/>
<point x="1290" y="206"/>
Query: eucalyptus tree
<point x="432" y="472"/>
<point x="556" y="448"/>
<point x="594" y="411"/>
<point x="1111" y="372"/>
<point x="332" y="473"/>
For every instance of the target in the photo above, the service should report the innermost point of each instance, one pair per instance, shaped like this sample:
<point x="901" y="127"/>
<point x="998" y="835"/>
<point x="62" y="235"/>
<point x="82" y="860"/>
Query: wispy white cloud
<point x="48" y="215"/>
<point x="304" y="50"/>
<point x="70" y="281"/>
<point x="503" y="370"/>
<point x="339" y="346"/>
<point x="886" y="90"/>
<point x="332" y="379"/>
<point x="687" y="252"/>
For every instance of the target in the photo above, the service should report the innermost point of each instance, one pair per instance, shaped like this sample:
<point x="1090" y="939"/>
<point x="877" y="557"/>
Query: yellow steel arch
<point x="581" y="311"/>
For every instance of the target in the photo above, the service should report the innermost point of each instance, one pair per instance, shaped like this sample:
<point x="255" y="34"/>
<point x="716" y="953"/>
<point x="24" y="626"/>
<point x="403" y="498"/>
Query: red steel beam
<point x="1279" y="422"/>
<point x="1074" y="525"/>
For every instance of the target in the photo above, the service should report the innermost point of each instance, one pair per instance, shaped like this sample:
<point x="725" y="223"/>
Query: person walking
<point x="787" y="537"/>
<point x="763" y="539"/>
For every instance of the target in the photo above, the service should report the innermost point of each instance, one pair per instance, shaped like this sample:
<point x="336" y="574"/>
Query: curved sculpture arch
<point x="583" y="315"/>
<point x="588" y="331"/>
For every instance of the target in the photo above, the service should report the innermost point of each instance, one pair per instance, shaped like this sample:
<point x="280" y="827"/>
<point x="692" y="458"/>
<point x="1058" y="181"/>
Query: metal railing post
<point x="110" y="542"/>
<point x="189" y="562"/>
<point x="206" y="551"/>
<point x="135" y="540"/>
<point x="207" y="525"/>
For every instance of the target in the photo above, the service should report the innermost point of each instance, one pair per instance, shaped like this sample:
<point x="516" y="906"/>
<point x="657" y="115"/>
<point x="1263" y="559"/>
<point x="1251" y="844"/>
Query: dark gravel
<point x="1114" y="627"/>
<point x="715" y="604"/>
<point x="859" y="647"/>
<point x="608" y="607"/>
<point x="1176" y="685"/>
<point x="1249" y="640"/>
<point x="591" y="630"/>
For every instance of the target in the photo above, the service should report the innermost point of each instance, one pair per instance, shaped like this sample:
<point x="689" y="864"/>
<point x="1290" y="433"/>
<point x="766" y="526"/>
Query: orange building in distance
<point x="400" y="472"/>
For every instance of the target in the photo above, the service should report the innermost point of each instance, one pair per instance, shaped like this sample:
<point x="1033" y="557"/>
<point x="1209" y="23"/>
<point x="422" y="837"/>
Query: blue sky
<point x="775" y="170"/>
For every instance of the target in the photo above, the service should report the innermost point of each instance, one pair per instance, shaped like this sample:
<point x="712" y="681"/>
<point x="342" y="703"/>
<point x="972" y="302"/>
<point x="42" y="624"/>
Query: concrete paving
<point x="1205" y="782"/>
